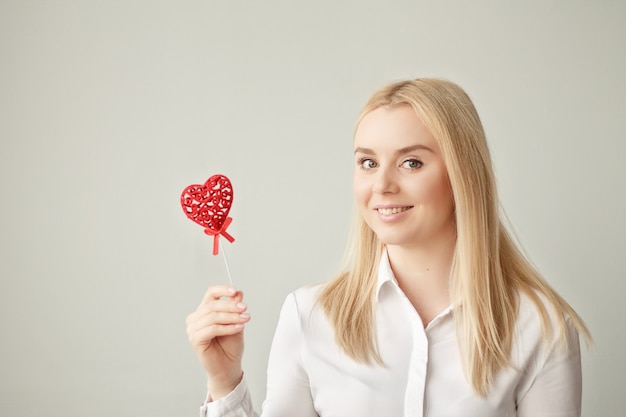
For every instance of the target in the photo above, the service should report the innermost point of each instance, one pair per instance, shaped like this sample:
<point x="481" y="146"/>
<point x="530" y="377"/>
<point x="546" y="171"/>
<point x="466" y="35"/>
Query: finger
<point x="238" y="296"/>
<point x="223" y="304"/>
<point x="216" y="319"/>
<point x="216" y="306"/>
<point x="215" y="292"/>
<point x="204" y="335"/>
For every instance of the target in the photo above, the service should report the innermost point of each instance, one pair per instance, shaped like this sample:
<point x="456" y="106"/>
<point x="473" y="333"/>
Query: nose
<point x="385" y="181"/>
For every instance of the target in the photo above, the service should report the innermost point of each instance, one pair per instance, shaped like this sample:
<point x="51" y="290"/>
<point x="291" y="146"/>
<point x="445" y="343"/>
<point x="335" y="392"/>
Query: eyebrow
<point x="401" y="151"/>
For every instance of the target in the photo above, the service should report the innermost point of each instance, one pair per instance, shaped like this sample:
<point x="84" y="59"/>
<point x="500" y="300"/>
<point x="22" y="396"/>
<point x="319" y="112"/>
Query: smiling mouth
<point x="392" y="210"/>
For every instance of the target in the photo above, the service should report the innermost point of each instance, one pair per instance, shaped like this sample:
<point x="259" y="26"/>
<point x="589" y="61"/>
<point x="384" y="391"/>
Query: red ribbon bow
<point x="216" y="235"/>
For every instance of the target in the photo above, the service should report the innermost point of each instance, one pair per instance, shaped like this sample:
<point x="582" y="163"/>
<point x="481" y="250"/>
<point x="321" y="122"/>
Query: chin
<point x="388" y="239"/>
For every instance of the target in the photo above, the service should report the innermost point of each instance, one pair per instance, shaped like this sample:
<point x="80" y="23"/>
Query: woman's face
<point x="401" y="185"/>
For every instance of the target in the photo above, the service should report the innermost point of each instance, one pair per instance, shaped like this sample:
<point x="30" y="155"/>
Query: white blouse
<point x="309" y="375"/>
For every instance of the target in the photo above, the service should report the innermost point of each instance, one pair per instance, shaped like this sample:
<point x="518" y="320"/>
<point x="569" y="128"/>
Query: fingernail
<point x="244" y="315"/>
<point x="232" y="290"/>
<point x="241" y="306"/>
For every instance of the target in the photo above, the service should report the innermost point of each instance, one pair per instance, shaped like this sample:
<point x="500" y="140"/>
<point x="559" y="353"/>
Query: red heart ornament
<point x="208" y="205"/>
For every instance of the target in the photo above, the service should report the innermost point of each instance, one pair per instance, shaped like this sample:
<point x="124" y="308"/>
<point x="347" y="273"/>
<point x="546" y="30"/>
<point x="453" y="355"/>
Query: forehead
<point x="393" y="128"/>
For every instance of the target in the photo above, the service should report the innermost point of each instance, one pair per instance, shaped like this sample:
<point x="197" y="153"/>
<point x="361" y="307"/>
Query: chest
<point x="422" y="374"/>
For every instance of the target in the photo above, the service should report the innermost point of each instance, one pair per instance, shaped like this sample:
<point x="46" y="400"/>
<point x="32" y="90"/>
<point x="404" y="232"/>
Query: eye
<point x="367" y="163"/>
<point x="412" y="164"/>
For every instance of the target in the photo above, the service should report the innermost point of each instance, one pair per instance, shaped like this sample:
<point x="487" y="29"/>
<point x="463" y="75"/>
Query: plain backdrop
<point x="108" y="109"/>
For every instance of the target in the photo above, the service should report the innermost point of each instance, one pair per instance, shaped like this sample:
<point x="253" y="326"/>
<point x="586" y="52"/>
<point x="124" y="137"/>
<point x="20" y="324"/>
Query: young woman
<point x="437" y="314"/>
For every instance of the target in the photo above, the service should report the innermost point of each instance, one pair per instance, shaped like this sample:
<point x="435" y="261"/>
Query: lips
<point x="388" y="211"/>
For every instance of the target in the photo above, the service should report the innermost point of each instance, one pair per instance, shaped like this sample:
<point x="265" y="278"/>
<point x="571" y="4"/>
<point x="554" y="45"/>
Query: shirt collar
<point x="385" y="274"/>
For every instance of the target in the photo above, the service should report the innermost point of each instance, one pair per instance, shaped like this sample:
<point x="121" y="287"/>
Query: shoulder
<point x="536" y="311"/>
<point x="302" y="324"/>
<point x="541" y="328"/>
<point x="530" y="307"/>
<point x="304" y="300"/>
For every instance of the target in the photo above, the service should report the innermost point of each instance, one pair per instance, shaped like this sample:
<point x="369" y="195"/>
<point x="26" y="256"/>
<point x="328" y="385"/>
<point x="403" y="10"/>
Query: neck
<point x="423" y="274"/>
<point x="423" y="262"/>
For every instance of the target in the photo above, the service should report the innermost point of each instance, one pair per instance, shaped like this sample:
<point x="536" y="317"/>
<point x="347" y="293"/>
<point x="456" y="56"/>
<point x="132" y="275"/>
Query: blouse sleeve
<point x="557" y="387"/>
<point x="236" y="404"/>
<point x="288" y="390"/>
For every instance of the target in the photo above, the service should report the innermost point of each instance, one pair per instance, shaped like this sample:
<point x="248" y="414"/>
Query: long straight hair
<point x="488" y="269"/>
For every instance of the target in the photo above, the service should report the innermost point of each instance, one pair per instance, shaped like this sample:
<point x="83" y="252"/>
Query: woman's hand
<point x="215" y="331"/>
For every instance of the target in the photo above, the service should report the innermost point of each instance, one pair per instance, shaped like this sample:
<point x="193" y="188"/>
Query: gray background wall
<point x="109" y="109"/>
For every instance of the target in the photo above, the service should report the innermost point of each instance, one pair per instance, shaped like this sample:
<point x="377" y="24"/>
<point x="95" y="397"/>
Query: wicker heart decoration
<point x="208" y="205"/>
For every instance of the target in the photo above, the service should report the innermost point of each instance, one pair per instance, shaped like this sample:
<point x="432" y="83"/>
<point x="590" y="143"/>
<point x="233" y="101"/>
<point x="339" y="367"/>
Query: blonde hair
<point x="488" y="270"/>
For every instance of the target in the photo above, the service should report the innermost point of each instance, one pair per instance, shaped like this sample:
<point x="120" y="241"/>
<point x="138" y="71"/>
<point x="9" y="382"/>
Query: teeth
<point x="390" y="211"/>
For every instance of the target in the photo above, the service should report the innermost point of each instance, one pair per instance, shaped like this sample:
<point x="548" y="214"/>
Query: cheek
<point x="443" y="191"/>
<point x="361" y="190"/>
<point x="439" y="191"/>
